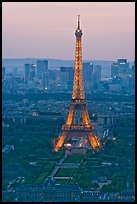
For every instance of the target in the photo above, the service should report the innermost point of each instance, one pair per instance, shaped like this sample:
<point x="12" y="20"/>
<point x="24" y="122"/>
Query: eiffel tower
<point x="74" y="128"/>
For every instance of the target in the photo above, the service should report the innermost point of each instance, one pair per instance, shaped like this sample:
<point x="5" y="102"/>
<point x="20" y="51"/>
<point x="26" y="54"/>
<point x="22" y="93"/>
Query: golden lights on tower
<point x="78" y="103"/>
<point x="60" y="142"/>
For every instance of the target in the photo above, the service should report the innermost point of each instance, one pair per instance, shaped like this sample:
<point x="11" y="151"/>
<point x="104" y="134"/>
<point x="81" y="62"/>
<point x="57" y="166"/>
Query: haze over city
<point x="46" y="29"/>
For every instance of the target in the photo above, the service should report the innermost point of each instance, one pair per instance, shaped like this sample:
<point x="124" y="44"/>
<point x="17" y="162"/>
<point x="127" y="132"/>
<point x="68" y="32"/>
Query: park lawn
<point x="41" y="178"/>
<point x="65" y="172"/>
<point x="73" y="181"/>
<point x="76" y="158"/>
<point x="45" y="173"/>
<point x="62" y="181"/>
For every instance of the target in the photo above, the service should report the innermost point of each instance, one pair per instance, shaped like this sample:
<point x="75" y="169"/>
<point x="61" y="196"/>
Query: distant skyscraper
<point x="42" y="66"/>
<point x="87" y="71"/>
<point x="66" y="76"/>
<point x="120" y="67"/>
<point x="32" y="71"/>
<point x="114" y="69"/>
<point x="96" y="75"/>
<point x="52" y="75"/>
<point x="123" y="66"/>
<point x="45" y="80"/>
<point x="29" y="72"/>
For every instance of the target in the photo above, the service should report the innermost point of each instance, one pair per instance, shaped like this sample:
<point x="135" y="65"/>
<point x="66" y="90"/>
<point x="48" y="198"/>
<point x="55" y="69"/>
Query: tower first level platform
<point x="83" y="122"/>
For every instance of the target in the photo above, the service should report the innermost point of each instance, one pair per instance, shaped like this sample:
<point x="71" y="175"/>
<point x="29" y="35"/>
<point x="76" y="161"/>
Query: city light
<point x="67" y="145"/>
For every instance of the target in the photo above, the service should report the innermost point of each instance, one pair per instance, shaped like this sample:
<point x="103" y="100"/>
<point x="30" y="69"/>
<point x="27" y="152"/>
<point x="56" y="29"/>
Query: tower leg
<point x="85" y="118"/>
<point x="60" y="142"/>
<point x="94" y="141"/>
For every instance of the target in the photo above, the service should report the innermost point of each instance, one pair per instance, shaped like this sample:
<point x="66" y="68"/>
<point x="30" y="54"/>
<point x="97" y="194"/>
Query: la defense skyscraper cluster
<point x="78" y="124"/>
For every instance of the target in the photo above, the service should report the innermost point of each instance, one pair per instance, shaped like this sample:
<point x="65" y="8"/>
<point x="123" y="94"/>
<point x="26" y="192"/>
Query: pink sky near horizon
<point x="46" y="29"/>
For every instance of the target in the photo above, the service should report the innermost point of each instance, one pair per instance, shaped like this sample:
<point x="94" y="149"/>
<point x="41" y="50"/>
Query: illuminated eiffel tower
<point x="74" y="128"/>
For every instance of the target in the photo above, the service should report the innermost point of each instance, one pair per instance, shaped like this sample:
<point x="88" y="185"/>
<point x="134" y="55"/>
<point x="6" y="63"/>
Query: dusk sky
<point x="46" y="29"/>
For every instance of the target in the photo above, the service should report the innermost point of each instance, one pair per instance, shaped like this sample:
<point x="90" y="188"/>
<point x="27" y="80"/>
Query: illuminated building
<point x="78" y="124"/>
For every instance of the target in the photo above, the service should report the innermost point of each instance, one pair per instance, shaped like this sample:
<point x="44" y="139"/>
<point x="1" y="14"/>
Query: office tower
<point x="32" y="71"/>
<point x="29" y="72"/>
<point x="120" y="68"/>
<point x="66" y="77"/>
<point x="123" y="66"/>
<point x="87" y="71"/>
<point x="96" y="77"/>
<point x="45" y="80"/>
<point x="42" y="66"/>
<point x="114" y="69"/>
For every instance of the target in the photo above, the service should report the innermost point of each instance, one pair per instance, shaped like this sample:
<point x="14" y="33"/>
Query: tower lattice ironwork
<point x="74" y="128"/>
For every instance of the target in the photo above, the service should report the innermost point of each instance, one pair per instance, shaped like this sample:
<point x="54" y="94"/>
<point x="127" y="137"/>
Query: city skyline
<point x="35" y="29"/>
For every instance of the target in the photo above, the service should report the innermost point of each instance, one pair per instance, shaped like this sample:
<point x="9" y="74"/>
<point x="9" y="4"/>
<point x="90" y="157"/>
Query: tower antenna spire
<point x="78" y="22"/>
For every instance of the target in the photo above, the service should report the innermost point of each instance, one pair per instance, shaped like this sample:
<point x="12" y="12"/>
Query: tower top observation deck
<point x="78" y="32"/>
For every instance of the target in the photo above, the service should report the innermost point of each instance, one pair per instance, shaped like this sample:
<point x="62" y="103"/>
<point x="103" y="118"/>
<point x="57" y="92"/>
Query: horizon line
<point x="66" y="59"/>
